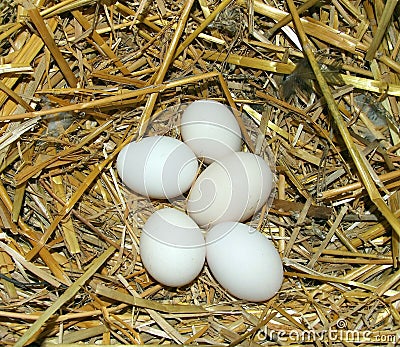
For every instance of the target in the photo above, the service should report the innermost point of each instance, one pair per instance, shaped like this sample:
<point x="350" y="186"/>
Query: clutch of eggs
<point x="231" y="189"/>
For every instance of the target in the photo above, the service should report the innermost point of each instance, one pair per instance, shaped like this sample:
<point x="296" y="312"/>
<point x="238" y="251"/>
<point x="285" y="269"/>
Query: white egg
<point x="232" y="189"/>
<point x="244" y="261"/>
<point x="172" y="247"/>
<point x="159" y="167"/>
<point x="210" y="129"/>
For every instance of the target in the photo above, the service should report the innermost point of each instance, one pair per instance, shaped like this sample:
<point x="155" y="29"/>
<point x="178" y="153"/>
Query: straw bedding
<point x="316" y="82"/>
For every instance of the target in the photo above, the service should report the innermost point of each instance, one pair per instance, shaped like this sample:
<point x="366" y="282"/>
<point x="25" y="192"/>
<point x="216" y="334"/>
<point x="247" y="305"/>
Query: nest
<point x="314" y="82"/>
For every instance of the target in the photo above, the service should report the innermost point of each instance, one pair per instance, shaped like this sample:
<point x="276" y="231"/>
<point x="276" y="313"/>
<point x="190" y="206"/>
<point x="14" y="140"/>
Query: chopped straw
<point x="314" y="87"/>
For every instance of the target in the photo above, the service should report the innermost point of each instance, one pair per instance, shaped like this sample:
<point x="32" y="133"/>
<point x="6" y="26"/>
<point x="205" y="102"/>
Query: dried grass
<point x="80" y="79"/>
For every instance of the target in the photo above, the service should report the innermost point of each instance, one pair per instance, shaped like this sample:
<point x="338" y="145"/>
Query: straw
<point x="169" y="57"/>
<point x="382" y="26"/>
<point x="51" y="45"/>
<point x="71" y="271"/>
<point x="362" y="170"/>
<point x="68" y="294"/>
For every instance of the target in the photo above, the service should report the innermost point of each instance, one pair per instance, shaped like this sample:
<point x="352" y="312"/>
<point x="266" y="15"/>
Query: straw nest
<point x="80" y="79"/>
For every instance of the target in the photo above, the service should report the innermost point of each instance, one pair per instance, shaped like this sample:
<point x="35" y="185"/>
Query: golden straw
<point x="342" y="126"/>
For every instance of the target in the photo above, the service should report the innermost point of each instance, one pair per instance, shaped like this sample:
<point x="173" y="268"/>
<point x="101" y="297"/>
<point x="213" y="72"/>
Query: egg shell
<point x="172" y="247"/>
<point x="159" y="167"/>
<point x="244" y="261"/>
<point x="210" y="129"/>
<point x="232" y="189"/>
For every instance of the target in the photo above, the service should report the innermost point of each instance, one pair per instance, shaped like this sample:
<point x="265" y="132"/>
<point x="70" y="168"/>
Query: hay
<point x="80" y="79"/>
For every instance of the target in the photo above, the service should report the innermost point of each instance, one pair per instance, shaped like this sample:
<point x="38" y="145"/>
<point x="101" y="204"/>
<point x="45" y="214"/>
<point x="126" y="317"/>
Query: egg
<point x="159" y="167"/>
<point x="232" y="189"/>
<point x="210" y="129"/>
<point x="172" y="247"/>
<point x="244" y="261"/>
